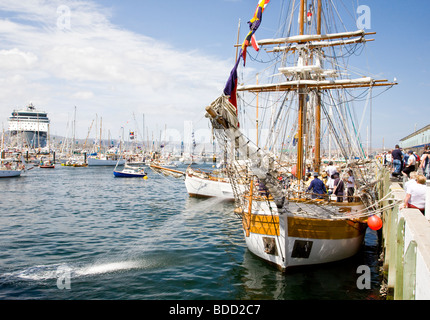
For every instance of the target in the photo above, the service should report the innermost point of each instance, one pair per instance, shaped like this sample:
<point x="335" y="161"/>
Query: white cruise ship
<point x="29" y="127"/>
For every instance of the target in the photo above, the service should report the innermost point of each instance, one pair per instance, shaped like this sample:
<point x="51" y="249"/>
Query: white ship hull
<point x="287" y="240"/>
<point x="198" y="186"/>
<point x="322" y="251"/>
<point x="104" y="162"/>
<point x="10" y="173"/>
<point x="29" y="126"/>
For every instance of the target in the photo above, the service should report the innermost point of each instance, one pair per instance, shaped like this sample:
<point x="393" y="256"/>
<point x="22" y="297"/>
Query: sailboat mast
<point x="301" y="114"/>
<point x="319" y="17"/>
<point x="317" y="160"/>
<point x="100" y="143"/>
<point x="74" y="130"/>
<point x="302" y="17"/>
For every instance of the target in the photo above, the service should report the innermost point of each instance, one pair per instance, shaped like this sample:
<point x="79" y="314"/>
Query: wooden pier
<point x="405" y="246"/>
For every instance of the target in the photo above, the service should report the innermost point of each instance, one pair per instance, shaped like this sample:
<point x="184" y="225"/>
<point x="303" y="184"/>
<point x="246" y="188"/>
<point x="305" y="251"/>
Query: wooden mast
<point x="301" y="17"/>
<point x="301" y="114"/>
<point x="317" y="159"/>
<point x="319" y="18"/>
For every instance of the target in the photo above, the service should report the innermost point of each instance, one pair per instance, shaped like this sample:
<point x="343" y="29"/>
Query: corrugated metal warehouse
<point x="417" y="140"/>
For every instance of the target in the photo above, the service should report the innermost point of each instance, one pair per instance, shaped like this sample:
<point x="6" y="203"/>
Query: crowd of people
<point x="332" y="183"/>
<point x="402" y="163"/>
<point x="415" y="170"/>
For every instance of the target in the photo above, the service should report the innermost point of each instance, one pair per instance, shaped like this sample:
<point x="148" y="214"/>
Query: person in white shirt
<point x="416" y="194"/>
<point x="330" y="170"/>
<point x="388" y="159"/>
<point x="412" y="180"/>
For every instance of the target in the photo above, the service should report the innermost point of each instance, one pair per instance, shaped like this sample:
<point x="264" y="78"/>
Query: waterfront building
<point x="417" y="140"/>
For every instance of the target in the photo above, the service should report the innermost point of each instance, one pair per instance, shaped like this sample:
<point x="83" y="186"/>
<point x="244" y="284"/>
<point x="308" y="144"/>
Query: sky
<point x="161" y="62"/>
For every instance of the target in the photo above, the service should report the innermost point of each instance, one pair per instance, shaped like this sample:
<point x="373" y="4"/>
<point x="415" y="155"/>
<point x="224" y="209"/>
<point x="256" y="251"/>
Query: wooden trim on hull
<point x="307" y="228"/>
<point x="300" y="227"/>
<point x="266" y="225"/>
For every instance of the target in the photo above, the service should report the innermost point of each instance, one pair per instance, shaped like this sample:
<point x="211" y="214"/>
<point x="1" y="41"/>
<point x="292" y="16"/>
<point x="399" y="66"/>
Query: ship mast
<point x="317" y="159"/>
<point x="301" y="112"/>
<point x="306" y="77"/>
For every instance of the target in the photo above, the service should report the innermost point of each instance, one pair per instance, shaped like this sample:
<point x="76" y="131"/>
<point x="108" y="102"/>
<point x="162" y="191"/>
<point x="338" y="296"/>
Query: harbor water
<point x="81" y="234"/>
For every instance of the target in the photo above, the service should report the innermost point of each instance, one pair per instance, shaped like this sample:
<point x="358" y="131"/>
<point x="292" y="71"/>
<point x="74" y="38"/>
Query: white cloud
<point x="99" y="67"/>
<point x="16" y="59"/>
<point x="84" y="95"/>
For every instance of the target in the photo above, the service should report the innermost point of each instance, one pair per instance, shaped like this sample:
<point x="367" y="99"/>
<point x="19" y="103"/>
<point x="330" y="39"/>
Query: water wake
<point x="49" y="272"/>
<point x="168" y="233"/>
<point x="103" y="268"/>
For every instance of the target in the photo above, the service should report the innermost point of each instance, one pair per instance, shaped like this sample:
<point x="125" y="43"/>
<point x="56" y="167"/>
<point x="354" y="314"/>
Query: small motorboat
<point x="47" y="165"/>
<point x="130" y="172"/>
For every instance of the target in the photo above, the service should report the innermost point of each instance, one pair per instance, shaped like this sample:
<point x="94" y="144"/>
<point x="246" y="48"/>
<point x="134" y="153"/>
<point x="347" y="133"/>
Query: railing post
<point x="410" y="271"/>
<point x="392" y="244"/>
<point x="400" y="242"/>
<point x="387" y="216"/>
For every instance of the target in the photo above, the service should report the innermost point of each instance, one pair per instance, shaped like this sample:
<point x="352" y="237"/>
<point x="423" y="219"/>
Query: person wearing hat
<point x="318" y="187"/>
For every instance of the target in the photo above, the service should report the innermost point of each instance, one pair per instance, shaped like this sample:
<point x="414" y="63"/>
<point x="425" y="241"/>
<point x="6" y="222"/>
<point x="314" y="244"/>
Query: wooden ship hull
<point x="290" y="240"/>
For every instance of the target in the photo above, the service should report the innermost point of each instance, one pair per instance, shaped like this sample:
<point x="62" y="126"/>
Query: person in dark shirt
<point x="318" y="187"/>
<point x="262" y="189"/>
<point x="339" y="187"/>
<point x="397" y="161"/>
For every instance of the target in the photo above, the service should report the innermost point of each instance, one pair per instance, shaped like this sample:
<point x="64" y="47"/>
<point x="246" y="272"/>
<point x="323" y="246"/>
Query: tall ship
<point x="29" y="127"/>
<point x="304" y="91"/>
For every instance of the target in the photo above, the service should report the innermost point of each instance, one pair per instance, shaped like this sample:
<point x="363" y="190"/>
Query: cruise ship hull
<point x="31" y="138"/>
<point x="29" y="127"/>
